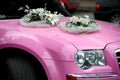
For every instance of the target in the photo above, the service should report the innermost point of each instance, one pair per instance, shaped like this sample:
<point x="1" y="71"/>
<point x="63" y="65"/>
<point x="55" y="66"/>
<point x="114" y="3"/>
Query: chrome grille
<point x="118" y="56"/>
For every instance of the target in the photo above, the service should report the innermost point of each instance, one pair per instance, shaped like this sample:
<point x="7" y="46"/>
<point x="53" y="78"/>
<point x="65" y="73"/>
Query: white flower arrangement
<point x="79" y="24"/>
<point x="40" y="17"/>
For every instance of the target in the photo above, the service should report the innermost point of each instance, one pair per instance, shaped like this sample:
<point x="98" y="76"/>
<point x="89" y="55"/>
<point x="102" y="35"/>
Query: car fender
<point x="37" y="46"/>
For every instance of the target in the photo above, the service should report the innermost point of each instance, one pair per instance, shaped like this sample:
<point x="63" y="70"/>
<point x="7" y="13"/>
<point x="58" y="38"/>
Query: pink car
<point x="28" y="53"/>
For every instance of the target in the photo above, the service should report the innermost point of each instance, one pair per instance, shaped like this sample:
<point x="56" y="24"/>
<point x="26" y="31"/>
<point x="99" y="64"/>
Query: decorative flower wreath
<point x="78" y="25"/>
<point x="40" y="17"/>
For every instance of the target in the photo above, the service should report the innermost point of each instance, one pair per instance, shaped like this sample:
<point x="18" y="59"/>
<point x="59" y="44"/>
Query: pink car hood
<point x="95" y="40"/>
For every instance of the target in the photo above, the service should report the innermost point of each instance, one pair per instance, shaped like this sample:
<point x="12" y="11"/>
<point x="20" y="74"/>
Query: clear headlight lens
<point x="87" y="58"/>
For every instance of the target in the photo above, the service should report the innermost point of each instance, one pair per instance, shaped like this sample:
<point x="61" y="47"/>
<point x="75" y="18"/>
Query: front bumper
<point x="93" y="73"/>
<point x="106" y="76"/>
<point x="64" y="70"/>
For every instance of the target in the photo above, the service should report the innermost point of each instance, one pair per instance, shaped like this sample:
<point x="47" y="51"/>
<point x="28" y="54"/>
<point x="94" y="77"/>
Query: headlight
<point x="87" y="58"/>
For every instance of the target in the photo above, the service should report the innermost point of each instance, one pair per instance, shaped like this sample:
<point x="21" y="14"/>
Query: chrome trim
<point x="118" y="50"/>
<point x="99" y="75"/>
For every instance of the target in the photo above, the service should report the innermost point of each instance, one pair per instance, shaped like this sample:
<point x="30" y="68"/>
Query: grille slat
<point x="118" y="56"/>
<point x="119" y="63"/>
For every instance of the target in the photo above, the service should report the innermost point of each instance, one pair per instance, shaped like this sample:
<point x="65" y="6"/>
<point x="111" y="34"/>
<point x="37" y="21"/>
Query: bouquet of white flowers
<point x="79" y="24"/>
<point x="40" y="17"/>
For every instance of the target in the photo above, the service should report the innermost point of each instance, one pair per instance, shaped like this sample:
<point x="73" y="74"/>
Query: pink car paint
<point x="55" y="49"/>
